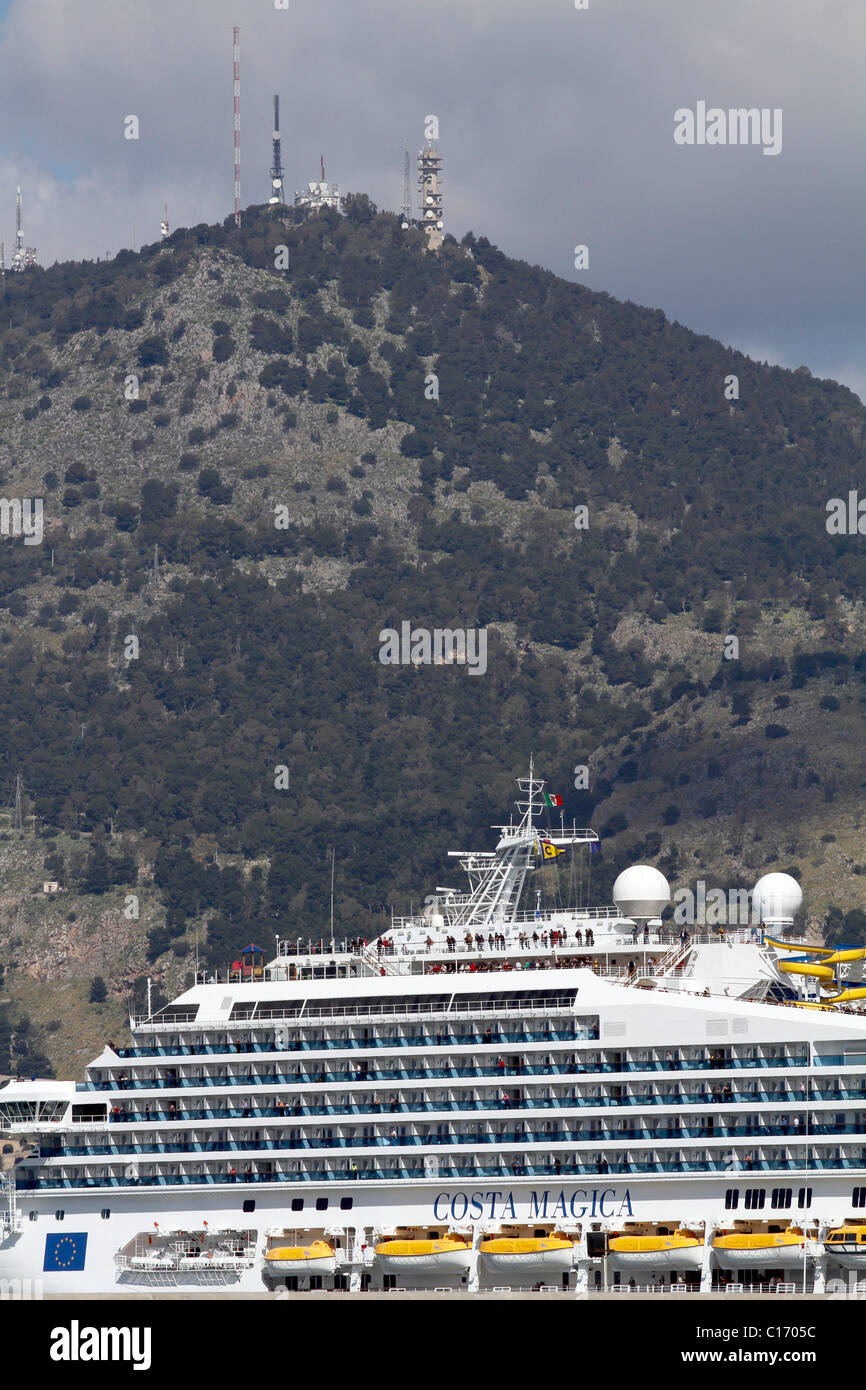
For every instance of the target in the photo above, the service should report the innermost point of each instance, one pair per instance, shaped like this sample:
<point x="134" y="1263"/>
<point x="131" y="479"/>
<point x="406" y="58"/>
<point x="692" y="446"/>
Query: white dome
<point x="436" y="921"/>
<point x="641" y="891"/>
<point x="776" y="897"/>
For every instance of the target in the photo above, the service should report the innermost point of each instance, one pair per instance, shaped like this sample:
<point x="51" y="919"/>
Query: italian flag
<point x="551" y="799"/>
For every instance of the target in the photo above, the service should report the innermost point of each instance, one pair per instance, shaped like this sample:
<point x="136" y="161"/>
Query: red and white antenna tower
<point x="237" y="81"/>
<point x="322" y="163"/>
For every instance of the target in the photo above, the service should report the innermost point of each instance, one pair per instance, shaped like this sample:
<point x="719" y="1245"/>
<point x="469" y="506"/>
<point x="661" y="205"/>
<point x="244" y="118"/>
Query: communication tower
<point x="236" y="53"/>
<point x="407" y="190"/>
<point x="277" y="165"/>
<point x="429" y="184"/>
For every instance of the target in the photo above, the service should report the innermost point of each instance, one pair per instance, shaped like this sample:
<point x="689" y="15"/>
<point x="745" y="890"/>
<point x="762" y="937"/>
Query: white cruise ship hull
<point x="689" y="1199"/>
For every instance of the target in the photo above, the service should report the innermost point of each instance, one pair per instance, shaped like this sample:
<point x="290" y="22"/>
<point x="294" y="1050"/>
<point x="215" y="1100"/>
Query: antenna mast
<point x="277" y="166"/>
<point x="322" y="163"/>
<point x="407" y="190"/>
<point x="237" y="95"/>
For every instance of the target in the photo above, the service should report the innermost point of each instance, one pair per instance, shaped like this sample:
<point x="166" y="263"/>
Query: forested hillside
<point x="247" y="475"/>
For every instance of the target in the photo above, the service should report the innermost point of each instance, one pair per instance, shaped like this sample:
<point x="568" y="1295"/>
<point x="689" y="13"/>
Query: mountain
<point x="248" y="476"/>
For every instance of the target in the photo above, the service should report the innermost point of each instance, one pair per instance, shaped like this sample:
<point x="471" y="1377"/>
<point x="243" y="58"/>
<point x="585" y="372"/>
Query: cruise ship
<point x="489" y="1096"/>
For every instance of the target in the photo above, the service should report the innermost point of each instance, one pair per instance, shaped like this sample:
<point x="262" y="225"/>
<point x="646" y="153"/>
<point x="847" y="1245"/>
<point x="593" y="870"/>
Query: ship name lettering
<point x="543" y="1205"/>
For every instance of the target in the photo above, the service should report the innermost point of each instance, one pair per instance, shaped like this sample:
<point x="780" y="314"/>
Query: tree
<point x="98" y="990"/>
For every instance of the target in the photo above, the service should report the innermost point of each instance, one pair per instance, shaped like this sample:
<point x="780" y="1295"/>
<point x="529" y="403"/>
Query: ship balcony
<point x="346" y="1103"/>
<point x="569" y="1167"/>
<point x="306" y="1044"/>
<point x="309" y="1075"/>
<point x="170" y="1143"/>
<point x="535" y="1041"/>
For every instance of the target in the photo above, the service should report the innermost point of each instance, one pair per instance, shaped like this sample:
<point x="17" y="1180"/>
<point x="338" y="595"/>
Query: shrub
<point x="152" y="352"/>
<point x="223" y="347"/>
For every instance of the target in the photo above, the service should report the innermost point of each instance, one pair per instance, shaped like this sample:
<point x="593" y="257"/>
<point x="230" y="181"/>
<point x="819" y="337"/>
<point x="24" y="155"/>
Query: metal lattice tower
<point x="23" y="256"/>
<point x="277" y="165"/>
<point x="236" y="52"/>
<point x="407" y="190"/>
<point x="429" y="183"/>
<point x="18" y="253"/>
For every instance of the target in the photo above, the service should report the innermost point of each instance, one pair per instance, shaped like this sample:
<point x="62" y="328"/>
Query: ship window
<point x="177" y="1013"/>
<point x="297" y="1204"/>
<point x="59" y="1215"/>
<point x="33" y="1215"/>
<point x="249" y="1204"/>
<point x="782" y="1197"/>
<point x="755" y="1197"/>
<point x="859" y="1196"/>
<point x="804" y="1197"/>
<point x="346" y="1203"/>
<point x="321" y="1204"/>
<point x="105" y="1213"/>
<point x="732" y="1199"/>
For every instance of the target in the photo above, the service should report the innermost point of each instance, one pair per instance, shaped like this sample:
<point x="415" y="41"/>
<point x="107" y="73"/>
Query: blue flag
<point x="66" y="1252"/>
<point x="595" y="847"/>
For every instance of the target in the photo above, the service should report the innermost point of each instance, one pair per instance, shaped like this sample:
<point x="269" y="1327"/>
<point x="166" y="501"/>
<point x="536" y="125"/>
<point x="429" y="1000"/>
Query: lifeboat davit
<point x="679" y="1251"/>
<point x="447" y="1253"/>
<point x="846" y="1246"/>
<point x="504" y="1253"/>
<point x="739" y="1248"/>
<point x="318" y="1258"/>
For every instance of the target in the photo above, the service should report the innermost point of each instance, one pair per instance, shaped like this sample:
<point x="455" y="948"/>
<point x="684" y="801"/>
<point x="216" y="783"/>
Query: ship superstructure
<point x="483" y="1097"/>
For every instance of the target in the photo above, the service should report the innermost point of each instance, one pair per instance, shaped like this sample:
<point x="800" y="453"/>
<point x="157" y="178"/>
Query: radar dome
<point x="777" y="897"/>
<point x="641" y="891"/>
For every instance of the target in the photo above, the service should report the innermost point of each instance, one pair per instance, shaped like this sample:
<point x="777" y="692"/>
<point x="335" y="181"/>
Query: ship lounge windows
<point x="755" y="1198"/>
<point x="804" y="1197"/>
<point x="732" y="1199"/>
<point x="859" y="1197"/>
<point x="781" y="1198"/>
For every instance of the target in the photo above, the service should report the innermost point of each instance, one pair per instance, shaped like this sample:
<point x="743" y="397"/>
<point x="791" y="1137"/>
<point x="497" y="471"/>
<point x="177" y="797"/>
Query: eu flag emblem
<point x="66" y="1252"/>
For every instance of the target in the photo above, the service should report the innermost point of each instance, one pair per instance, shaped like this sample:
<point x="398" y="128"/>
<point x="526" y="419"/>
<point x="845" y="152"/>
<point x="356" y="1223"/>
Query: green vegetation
<point x="258" y="641"/>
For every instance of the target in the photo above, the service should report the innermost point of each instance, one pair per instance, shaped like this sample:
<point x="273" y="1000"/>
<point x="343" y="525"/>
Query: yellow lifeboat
<point x="447" y="1253"/>
<point x="738" y="1248"/>
<point x="317" y="1258"/>
<point x="504" y="1253"/>
<point x="846" y="1246"/>
<point x="678" y="1251"/>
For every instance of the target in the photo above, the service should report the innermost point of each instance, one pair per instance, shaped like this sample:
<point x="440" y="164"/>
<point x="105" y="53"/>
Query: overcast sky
<point x="556" y="128"/>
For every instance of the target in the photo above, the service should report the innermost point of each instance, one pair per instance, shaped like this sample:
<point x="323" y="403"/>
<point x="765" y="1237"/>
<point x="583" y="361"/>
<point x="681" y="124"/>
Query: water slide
<point x="819" y="964"/>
